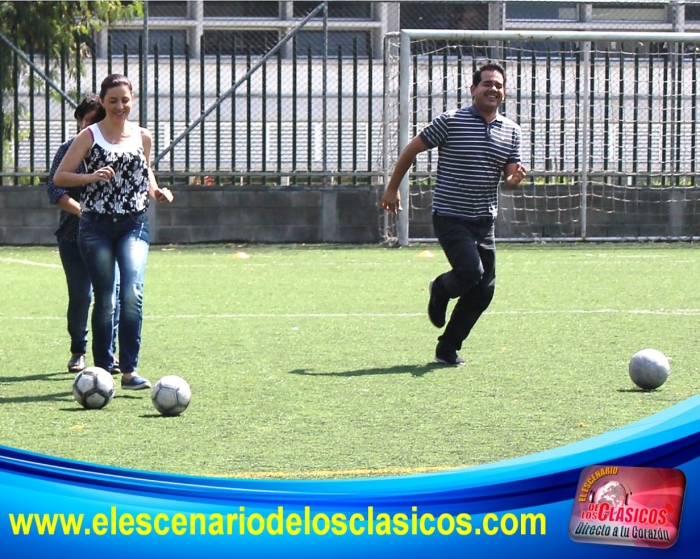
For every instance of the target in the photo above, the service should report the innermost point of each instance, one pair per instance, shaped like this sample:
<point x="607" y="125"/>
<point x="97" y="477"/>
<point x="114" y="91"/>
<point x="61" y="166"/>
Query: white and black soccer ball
<point x="93" y="388"/>
<point x="171" y="395"/>
<point x="649" y="369"/>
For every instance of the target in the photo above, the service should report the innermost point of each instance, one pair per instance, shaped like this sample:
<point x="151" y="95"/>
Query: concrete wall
<point x="613" y="212"/>
<point x="206" y="214"/>
<point x="351" y="214"/>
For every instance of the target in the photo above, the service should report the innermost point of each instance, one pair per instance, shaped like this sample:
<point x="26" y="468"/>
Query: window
<point x="264" y="9"/>
<point x="129" y="39"/>
<point x="542" y="11"/>
<point x="162" y="39"/>
<point x="239" y="43"/>
<point x="167" y="9"/>
<point x="629" y="12"/>
<point x="336" y="10"/>
<point x="444" y="15"/>
<point x="344" y="39"/>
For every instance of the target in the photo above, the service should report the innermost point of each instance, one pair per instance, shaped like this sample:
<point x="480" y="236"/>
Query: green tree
<point x="56" y="24"/>
<point x="49" y="28"/>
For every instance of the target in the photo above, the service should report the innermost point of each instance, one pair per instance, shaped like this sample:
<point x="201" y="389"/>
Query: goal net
<point x="609" y="122"/>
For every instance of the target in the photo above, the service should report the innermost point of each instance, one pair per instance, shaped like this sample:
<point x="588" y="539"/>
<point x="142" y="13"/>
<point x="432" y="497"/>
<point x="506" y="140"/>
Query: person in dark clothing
<point x="477" y="148"/>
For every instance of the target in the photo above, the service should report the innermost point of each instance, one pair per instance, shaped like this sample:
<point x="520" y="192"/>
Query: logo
<point x="624" y="505"/>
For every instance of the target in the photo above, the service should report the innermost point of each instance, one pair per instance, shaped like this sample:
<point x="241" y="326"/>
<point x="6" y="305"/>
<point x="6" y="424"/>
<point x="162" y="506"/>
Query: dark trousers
<point x="79" y="294"/>
<point x="470" y="248"/>
<point x="80" y="297"/>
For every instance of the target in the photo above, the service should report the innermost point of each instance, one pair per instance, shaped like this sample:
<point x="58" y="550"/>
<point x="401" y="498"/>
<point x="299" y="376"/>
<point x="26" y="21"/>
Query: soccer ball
<point x="93" y="388"/>
<point x="171" y="395"/>
<point x="649" y="369"/>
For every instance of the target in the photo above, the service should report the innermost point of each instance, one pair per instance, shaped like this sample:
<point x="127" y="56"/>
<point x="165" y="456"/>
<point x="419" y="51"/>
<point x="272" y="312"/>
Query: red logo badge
<point x="624" y="505"/>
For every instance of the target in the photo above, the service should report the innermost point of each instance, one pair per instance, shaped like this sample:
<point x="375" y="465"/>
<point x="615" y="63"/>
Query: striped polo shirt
<point x="472" y="155"/>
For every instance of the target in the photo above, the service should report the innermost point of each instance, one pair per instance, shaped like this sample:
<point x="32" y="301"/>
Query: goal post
<point x="609" y="121"/>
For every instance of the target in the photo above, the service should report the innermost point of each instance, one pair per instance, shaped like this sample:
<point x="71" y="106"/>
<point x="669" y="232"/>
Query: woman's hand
<point x="103" y="174"/>
<point x="163" y="195"/>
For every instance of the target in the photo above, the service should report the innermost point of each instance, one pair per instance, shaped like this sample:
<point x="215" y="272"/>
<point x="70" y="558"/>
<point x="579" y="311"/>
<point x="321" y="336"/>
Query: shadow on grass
<point x="636" y="390"/>
<point x="119" y="396"/>
<point x="64" y="376"/>
<point x="78" y="407"/>
<point x="413" y="370"/>
<point x="57" y="397"/>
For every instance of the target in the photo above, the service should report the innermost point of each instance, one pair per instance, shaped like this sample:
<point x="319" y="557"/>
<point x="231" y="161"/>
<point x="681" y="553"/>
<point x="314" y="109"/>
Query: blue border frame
<point x="543" y="483"/>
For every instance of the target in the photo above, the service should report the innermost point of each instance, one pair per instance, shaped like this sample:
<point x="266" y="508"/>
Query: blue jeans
<point x="106" y="240"/>
<point x="80" y="297"/>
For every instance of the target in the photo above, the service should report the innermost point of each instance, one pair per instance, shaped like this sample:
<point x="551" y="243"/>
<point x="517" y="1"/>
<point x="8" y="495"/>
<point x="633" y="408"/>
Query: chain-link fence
<point x="266" y="93"/>
<point x="608" y="120"/>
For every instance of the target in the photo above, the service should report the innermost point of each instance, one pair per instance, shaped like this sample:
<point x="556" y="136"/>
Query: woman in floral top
<point x="114" y="224"/>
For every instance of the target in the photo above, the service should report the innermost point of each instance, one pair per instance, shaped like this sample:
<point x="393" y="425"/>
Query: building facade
<point x="235" y="28"/>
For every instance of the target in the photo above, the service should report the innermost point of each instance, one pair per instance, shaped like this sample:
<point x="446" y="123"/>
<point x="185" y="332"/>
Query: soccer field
<point x="316" y="361"/>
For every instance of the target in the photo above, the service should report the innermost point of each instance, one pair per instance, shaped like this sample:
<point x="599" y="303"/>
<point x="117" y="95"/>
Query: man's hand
<point x="391" y="201"/>
<point x="516" y="177"/>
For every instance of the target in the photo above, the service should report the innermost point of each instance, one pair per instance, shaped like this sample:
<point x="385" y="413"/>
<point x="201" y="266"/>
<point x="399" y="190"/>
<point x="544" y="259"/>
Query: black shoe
<point x="437" y="306"/>
<point x="449" y="358"/>
<point x="76" y="363"/>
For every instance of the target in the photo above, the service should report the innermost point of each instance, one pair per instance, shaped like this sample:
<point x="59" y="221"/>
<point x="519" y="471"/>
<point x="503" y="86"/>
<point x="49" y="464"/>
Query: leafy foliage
<point x="54" y="29"/>
<point x="55" y="26"/>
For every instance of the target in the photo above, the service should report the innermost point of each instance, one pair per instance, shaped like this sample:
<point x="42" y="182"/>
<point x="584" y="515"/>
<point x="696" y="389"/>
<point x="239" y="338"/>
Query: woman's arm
<point x="56" y="193"/>
<point x="66" y="176"/>
<point x="158" y="193"/>
<point x="68" y="204"/>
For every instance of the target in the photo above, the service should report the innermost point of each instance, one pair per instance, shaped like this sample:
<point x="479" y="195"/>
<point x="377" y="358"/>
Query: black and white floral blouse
<point x="127" y="191"/>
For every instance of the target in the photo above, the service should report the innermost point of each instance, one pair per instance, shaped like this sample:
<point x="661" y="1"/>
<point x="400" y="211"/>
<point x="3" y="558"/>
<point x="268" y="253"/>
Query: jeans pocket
<point x="139" y="227"/>
<point x="87" y="223"/>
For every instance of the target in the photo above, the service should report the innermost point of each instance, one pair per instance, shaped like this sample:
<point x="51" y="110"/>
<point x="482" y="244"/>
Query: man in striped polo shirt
<point x="477" y="147"/>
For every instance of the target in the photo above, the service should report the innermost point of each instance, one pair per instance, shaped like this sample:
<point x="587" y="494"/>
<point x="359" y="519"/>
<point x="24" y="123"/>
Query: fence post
<point x="404" y="91"/>
<point x="144" y="65"/>
<point x="585" y="115"/>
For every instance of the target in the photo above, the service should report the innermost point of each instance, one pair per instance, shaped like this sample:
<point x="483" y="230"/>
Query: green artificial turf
<point x="316" y="361"/>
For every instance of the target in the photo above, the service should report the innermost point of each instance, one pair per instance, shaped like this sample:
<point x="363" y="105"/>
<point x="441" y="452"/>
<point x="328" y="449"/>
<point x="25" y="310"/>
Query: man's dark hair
<point x="488" y="66"/>
<point x="87" y="105"/>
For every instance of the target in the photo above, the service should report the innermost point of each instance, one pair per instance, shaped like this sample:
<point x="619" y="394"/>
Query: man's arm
<point x="391" y="200"/>
<point x="514" y="174"/>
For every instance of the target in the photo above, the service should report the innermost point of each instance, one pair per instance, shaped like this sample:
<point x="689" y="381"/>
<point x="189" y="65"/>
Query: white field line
<point x="503" y="262"/>
<point x="225" y="316"/>
<point x="29" y="263"/>
<point x="599" y="259"/>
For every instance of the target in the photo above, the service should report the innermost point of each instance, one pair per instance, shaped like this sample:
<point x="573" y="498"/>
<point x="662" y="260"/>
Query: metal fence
<point x="288" y="116"/>
<point x="285" y="93"/>
<point x="298" y="93"/>
<point x="609" y="127"/>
